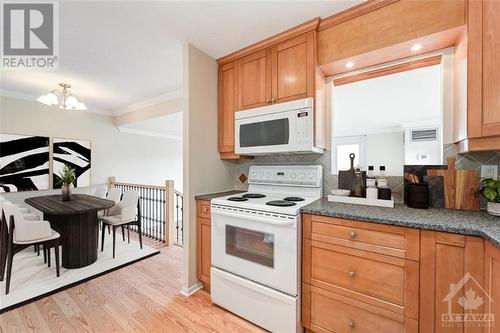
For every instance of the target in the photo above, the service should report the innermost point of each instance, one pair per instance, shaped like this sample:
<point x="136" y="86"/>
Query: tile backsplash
<point x="471" y="161"/>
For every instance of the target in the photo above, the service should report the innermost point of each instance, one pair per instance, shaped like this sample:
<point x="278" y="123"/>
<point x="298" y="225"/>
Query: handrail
<point x="139" y="185"/>
<point x="159" y="209"/>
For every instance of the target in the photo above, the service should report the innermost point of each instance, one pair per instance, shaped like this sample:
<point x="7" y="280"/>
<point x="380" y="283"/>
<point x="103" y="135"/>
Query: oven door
<point x="260" y="248"/>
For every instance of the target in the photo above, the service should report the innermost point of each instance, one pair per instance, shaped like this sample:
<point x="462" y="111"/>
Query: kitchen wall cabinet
<point x="492" y="284"/>
<point x="227" y="107"/>
<point x="281" y="73"/>
<point x="450" y="265"/>
<point x="477" y="108"/>
<point x="254" y="86"/>
<point x="279" y="69"/>
<point x="204" y="227"/>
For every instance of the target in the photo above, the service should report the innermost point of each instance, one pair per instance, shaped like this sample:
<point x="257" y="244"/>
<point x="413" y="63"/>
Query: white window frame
<point x="349" y="140"/>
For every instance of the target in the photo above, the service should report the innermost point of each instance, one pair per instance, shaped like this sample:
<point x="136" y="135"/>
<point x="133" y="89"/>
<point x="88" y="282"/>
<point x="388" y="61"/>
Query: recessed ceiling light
<point x="416" y="47"/>
<point x="349" y="64"/>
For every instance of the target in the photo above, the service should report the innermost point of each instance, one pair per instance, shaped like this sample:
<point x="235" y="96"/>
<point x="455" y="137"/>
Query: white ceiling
<point x="389" y="103"/>
<point x="117" y="53"/>
<point x="168" y="126"/>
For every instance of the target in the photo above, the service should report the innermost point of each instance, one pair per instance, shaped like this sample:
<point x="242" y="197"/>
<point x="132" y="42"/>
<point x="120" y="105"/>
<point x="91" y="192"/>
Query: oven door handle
<point x="290" y="223"/>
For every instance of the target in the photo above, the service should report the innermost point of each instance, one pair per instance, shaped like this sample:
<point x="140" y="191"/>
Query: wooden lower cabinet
<point x="203" y="232"/>
<point x="367" y="277"/>
<point x="451" y="279"/>
<point x="359" y="277"/>
<point x="492" y="285"/>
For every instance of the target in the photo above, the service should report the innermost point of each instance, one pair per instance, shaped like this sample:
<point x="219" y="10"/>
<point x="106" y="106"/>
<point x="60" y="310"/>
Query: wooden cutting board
<point x="449" y="182"/>
<point x="460" y="186"/>
<point x="466" y="184"/>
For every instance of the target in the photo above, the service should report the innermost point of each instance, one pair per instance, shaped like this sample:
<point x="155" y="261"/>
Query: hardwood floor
<point x="143" y="297"/>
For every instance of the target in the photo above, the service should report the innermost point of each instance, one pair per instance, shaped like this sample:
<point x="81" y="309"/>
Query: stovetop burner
<point x="280" y="203"/>
<point x="294" y="199"/>
<point x="237" y="199"/>
<point x="253" y="195"/>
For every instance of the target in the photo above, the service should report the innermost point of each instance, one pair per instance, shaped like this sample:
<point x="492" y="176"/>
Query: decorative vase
<point x="66" y="192"/>
<point x="493" y="208"/>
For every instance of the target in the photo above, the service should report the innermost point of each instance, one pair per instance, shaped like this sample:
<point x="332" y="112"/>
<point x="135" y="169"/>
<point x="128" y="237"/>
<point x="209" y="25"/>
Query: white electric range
<point x="256" y="242"/>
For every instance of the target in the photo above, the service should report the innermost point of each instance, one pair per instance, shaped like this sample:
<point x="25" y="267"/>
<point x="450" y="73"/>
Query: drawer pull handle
<point x="351" y="323"/>
<point x="205" y="209"/>
<point x="353" y="234"/>
<point x="352" y="274"/>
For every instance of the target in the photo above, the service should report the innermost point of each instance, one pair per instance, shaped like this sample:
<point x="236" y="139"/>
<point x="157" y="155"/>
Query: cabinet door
<point x="492" y="283"/>
<point x="254" y="80"/>
<point x="451" y="281"/>
<point x="227" y="106"/>
<point x="293" y="69"/>
<point x="491" y="67"/>
<point x="204" y="253"/>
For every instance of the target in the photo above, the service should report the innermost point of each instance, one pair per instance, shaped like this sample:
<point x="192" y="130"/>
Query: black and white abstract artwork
<point x="76" y="154"/>
<point x="24" y="163"/>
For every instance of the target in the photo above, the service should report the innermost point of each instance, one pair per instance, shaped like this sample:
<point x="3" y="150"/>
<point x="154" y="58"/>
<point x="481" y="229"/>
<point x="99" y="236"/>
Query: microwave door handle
<point x="255" y="218"/>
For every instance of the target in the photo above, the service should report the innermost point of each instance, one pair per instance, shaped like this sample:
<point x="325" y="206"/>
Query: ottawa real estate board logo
<point x="29" y="35"/>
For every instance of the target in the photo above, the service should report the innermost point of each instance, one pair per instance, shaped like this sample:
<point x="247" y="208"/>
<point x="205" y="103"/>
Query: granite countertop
<point x="210" y="196"/>
<point x="447" y="220"/>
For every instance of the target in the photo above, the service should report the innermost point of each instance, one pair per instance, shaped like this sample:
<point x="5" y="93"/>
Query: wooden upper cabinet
<point x="278" y="69"/>
<point x="227" y="106"/>
<point x="491" y="68"/>
<point x="477" y="112"/>
<point x="254" y="88"/>
<point x="293" y="69"/>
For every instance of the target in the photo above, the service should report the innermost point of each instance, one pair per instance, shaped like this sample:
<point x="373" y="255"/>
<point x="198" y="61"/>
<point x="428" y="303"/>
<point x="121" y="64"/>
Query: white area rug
<point x="32" y="279"/>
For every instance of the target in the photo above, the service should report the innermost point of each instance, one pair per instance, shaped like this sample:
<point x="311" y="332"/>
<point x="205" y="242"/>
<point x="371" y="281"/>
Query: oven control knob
<point x="261" y="174"/>
<point x="293" y="175"/>
<point x="268" y="175"/>
<point x="302" y="175"/>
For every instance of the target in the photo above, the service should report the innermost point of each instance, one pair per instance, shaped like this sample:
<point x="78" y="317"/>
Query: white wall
<point x="129" y="157"/>
<point x="386" y="149"/>
<point x="203" y="170"/>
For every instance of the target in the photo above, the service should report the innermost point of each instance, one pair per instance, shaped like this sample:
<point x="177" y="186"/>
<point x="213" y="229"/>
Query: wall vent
<point x="424" y="135"/>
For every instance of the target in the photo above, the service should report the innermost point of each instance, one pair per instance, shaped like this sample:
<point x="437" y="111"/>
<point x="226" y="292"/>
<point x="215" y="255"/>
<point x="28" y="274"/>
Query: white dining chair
<point x="125" y="213"/>
<point x="23" y="233"/>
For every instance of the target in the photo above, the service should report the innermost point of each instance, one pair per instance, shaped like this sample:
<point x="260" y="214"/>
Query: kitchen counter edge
<point x="210" y="196"/>
<point x="444" y="220"/>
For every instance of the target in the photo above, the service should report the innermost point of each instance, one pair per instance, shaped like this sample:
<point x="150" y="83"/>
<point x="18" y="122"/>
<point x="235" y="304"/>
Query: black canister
<point x="384" y="193"/>
<point x="417" y="195"/>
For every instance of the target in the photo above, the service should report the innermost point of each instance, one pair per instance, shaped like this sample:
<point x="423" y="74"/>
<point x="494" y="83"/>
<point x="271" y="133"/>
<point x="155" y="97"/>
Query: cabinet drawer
<point x="395" y="241"/>
<point x="384" y="280"/>
<point x="331" y="313"/>
<point x="203" y="209"/>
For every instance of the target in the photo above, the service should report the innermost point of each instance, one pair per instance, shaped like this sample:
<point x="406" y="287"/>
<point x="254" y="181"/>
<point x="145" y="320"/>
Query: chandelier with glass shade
<point x="62" y="97"/>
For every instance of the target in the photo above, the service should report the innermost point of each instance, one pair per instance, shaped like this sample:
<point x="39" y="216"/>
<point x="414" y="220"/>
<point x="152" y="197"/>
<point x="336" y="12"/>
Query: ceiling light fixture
<point x="416" y="47"/>
<point x="62" y="97"/>
<point x="349" y="64"/>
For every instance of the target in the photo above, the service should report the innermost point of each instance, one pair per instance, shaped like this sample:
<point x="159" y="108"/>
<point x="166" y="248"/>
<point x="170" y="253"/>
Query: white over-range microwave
<point x="280" y="128"/>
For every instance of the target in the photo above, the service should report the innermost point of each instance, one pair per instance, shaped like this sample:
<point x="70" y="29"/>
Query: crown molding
<point x="149" y="133"/>
<point x="149" y="102"/>
<point x="31" y="98"/>
<point x="275" y="39"/>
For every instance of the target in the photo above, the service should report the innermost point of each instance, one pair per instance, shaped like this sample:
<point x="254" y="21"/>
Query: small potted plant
<point x="490" y="190"/>
<point x="66" y="179"/>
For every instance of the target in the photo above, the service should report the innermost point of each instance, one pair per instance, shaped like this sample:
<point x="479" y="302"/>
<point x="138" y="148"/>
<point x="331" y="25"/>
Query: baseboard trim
<point x="186" y="292"/>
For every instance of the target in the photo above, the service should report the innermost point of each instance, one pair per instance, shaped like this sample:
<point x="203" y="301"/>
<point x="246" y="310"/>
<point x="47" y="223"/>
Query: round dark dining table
<point x="76" y="221"/>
